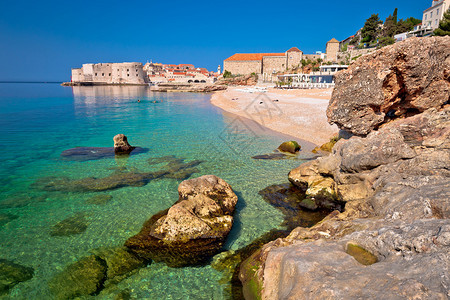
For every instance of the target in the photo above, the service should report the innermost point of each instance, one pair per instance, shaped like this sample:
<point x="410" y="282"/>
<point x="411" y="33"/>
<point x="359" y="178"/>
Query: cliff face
<point x="394" y="179"/>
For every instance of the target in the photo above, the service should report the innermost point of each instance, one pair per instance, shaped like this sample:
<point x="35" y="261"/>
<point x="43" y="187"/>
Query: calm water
<point x="39" y="121"/>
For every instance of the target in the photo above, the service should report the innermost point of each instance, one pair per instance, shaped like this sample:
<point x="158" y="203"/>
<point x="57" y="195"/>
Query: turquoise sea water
<point x="39" y="121"/>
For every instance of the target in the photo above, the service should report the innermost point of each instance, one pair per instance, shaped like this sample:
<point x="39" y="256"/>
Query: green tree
<point x="370" y="30"/>
<point x="386" y="40"/>
<point x="227" y="74"/>
<point x="444" y="25"/>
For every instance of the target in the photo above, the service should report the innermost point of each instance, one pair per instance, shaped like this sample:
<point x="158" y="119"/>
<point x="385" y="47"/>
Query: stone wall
<point x="111" y="73"/>
<point x="294" y="58"/>
<point x="273" y="64"/>
<point x="237" y="67"/>
<point x="332" y="50"/>
<point x="347" y="56"/>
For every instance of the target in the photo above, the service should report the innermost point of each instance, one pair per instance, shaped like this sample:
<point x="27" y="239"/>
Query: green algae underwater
<point x="59" y="212"/>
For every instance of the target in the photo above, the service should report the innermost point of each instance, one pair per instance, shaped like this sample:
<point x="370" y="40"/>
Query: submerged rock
<point x="121" y="145"/>
<point x="99" y="199"/>
<point x="290" y="147"/>
<point x="70" y="226"/>
<point x="84" y="277"/>
<point x="175" y="169"/>
<point x="91" y="274"/>
<point x="20" y="201"/>
<point x="296" y="208"/>
<point x="193" y="229"/>
<point x="5" y="218"/>
<point x="94" y="153"/>
<point x="12" y="274"/>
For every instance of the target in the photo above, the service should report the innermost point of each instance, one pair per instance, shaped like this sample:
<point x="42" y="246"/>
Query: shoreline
<point x="297" y="113"/>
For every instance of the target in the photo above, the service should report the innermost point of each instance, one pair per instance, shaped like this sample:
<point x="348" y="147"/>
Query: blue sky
<point x="42" y="40"/>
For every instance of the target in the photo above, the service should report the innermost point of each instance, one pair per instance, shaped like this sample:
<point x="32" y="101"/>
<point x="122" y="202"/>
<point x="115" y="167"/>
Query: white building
<point x="430" y="19"/>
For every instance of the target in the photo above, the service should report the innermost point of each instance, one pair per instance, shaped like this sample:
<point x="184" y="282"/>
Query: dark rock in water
<point x="99" y="199"/>
<point x="69" y="226"/>
<point x="12" y="274"/>
<point x="121" y="145"/>
<point x="176" y="169"/>
<point x="91" y="274"/>
<point x="93" y="153"/>
<point x="119" y="261"/>
<point x="272" y="156"/>
<point x="290" y="147"/>
<point x="163" y="159"/>
<point x="6" y="218"/>
<point x="91" y="184"/>
<point x="84" y="277"/>
<point x="193" y="229"/>
<point x="20" y="201"/>
<point x="291" y="201"/>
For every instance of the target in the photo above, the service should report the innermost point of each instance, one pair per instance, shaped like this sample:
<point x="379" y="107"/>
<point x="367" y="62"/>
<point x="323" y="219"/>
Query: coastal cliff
<point x="392" y="241"/>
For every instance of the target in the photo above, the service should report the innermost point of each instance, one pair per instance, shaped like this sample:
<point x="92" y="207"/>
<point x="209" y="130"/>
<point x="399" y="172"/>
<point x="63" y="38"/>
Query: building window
<point x="437" y="11"/>
<point x="117" y="70"/>
<point x="109" y="74"/>
<point x="426" y="17"/>
<point x="136" y="75"/>
<point x="103" y="74"/>
<point x="431" y="15"/>
<point x="128" y="75"/>
<point x="95" y="74"/>
<point x="128" y="70"/>
<point x="435" y="22"/>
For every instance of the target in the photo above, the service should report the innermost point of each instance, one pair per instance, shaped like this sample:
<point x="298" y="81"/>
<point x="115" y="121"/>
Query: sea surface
<point x="40" y="121"/>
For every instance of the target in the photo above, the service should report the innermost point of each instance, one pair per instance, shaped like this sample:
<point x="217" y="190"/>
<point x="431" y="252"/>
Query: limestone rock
<point x="84" y="277"/>
<point x="121" y="145"/>
<point x="396" y="81"/>
<point x="193" y="229"/>
<point x="99" y="199"/>
<point x="72" y="225"/>
<point x="6" y="218"/>
<point x="12" y="274"/>
<point x="290" y="147"/>
<point x="394" y="180"/>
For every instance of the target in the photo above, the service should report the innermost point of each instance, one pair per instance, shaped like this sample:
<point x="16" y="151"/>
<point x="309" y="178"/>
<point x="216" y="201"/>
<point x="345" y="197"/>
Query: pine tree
<point x="370" y="30"/>
<point x="395" y="15"/>
<point x="444" y="25"/>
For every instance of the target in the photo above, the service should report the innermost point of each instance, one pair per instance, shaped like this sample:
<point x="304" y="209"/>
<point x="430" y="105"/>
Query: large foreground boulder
<point x="396" y="81"/>
<point x="393" y="178"/>
<point x="193" y="229"/>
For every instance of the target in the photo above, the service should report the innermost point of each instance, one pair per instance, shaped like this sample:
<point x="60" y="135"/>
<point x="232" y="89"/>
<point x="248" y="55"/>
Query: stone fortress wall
<point x="274" y="64"/>
<point x="243" y="66"/>
<point x="110" y="73"/>
<point x="262" y="63"/>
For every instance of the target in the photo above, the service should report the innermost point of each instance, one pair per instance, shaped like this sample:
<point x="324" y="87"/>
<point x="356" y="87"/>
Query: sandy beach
<point x="299" y="113"/>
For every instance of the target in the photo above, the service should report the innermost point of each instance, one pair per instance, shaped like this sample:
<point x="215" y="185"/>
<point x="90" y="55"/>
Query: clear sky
<point x="43" y="40"/>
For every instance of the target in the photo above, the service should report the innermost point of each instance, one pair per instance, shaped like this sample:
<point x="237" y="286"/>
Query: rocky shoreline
<point x="392" y="241"/>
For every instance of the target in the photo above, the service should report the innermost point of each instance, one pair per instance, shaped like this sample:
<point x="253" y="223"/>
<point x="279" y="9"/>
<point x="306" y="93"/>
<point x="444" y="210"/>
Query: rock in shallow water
<point x="6" y="218"/>
<point x="290" y="147"/>
<point x="121" y="145"/>
<point x="193" y="229"/>
<point x="70" y="226"/>
<point x="91" y="274"/>
<point x="99" y="199"/>
<point x="93" y="153"/>
<point x="12" y="274"/>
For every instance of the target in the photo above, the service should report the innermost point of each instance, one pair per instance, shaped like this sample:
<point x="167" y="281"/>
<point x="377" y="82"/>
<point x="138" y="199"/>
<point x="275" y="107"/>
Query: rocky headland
<point x="391" y="240"/>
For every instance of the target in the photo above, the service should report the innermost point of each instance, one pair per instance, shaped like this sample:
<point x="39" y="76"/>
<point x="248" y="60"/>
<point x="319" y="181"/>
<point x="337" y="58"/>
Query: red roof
<point x="294" y="49"/>
<point x="251" y="56"/>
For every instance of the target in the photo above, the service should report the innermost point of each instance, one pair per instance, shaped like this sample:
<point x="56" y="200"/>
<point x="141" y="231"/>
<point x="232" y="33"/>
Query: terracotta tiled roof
<point x="251" y="56"/>
<point x="294" y="49"/>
